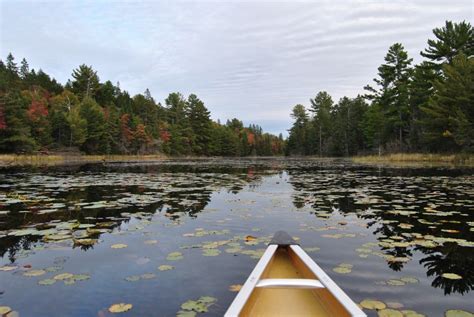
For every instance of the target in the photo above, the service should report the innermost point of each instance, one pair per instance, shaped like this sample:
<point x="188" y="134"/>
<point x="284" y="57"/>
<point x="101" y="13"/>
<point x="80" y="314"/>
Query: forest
<point x="428" y="107"/>
<point x="39" y="115"/>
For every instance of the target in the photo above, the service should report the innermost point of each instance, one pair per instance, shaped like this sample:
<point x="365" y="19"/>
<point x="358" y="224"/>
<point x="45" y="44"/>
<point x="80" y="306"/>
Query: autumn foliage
<point x="37" y="110"/>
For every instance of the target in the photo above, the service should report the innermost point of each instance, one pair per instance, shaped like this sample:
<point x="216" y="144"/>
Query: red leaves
<point x="250" y="138"/>
<point x="127" y="133"/>
<point x="37" y="110"/>
<point x="165" y="136"/>
<point x="141" y="135"/>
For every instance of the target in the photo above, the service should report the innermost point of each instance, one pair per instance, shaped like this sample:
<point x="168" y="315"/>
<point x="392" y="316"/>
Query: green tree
<point x="450" y="112"/>
<point x="200" y="123"/>
<point x="392" y="94"/>
<point x="11" y="65"/>
<point x="77" y="127"/>
<point x="451" y="39"/>
<point x="60" y="106"/>
<point x="15" y="135"/>
<point x="321" y="108"/>
<point x="96" y="141"/>
<point x="298" y="132"/>
<point x="85" y="82"/>
<point x="420" y="91"/>
<point x="24" y="69"/>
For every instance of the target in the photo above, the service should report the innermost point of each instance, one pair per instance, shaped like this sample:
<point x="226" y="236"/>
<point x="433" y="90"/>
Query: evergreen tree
<point x="200" y="123"/>
<point x="297" y="138"/>
<point x="24" y="69"/>
<point x="321" y="108"/>
<point x="60" y="106"/>
<point x="86" y="82"/>
<point x="77" y="127"/>
<point x="16" y="135"/>
<point x="451" y="39"/>
<point x="420" y="91"/>
<point x="96" y="141"/>
<point x="392" y="95"/>
<point x="450" y="112"/>
<point x="11" y="65"/>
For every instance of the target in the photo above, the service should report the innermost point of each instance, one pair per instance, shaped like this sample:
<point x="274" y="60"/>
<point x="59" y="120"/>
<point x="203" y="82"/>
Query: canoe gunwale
<point x="323" y="281"/>
<point x="330" y="285"/>
<point x="250" y="284"/>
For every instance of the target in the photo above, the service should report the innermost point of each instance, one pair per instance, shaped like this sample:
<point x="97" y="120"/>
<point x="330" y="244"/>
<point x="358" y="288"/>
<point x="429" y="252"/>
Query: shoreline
<point x="416" y="159"/>
<point x="14" y="160"/>
<point x="395" y="160"/>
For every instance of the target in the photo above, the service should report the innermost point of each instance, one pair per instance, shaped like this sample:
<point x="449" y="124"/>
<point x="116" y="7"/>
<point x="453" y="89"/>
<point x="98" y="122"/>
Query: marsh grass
<point x="51" y="160"/>
<point x="417" y="159"/>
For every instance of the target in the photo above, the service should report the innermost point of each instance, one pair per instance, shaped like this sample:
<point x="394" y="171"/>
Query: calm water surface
<point x="75" y="240"/>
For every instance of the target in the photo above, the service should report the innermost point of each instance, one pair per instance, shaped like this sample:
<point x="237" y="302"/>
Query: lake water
<point x="76" y="240"/>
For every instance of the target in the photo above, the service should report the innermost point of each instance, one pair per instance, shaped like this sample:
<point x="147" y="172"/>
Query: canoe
<point x="287" y="282"/>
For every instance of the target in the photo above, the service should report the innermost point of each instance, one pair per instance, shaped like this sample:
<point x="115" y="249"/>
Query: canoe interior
<point x="291" y="302"/>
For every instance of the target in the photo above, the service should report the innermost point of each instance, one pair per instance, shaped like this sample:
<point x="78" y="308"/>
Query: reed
<point x="52" y="160"/>
<point x="462" y="159"/>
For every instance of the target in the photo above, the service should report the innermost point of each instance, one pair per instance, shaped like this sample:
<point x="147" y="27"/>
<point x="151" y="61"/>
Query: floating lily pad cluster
<point x="192" y="307"/>
<point x="388" y="309"/>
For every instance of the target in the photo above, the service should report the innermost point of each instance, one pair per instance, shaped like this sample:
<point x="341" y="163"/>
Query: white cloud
<point x="248" y="59"/>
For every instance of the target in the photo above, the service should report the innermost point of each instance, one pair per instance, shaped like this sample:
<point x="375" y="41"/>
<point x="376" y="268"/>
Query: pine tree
<point x="96" y="141"/>
<point x="24" y="69"/>
<point x="392" y="95"/>
<point x="86" y="82"/>
<point x="452" y="39"/>
<point x="11" y="65"/>
<point x="77" y="127"/>
<point x="450" y="112"/>
<point x="200" y="123"/>
<point x="298" y="132"/>
<point x="421" y="89"/>
<point x="321" y="108"/>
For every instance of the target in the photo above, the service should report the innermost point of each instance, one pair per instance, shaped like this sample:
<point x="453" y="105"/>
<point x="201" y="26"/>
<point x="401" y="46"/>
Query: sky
<point x="253" y="60"/>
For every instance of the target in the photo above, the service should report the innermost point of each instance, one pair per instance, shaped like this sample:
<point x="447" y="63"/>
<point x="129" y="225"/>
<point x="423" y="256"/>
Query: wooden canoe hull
<point x="287" y="282"/>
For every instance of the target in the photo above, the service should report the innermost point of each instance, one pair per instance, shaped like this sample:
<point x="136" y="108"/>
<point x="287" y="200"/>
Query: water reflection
<point x="411" y="212"/>
<point x="408" y="210"/>
<point x="75" y="205"/>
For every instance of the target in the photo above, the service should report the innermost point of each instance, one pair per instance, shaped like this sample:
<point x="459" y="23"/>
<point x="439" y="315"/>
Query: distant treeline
<point x="39" y="114"/>
<point x="427" y="107"/>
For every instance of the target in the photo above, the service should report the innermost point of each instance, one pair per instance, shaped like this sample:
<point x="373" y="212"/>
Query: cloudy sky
<point x="248" y="59"/>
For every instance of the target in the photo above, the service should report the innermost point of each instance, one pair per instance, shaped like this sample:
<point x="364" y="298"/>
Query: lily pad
<point x="210" y="252"/>
<point x="408" y="279"/>
<point x="4" y="310"/>
<point x="150" y="242"/>
<point x="7" y="268"/>
<point x="85" y="241"/>
<point x="342" y="270"/>
<point x="148" y="276"/>
<point x="118" y="246"/>
<point x="186" y="313"/>
<point x="174" y="256"/>
<point x="451" y="276"/>
<point x="200" y="306"/>
<point x="48" y="281"/>
<point x="372" y="304"/>
<point x="387" y="312"/>
<point x="411" y="313"/>
<point x="63" y="276"/>
<point x="395" y="282"/>
<point x="32" y="273"/>
<point x="235" y="287"/>
<point x="120" y="308"/>
<point x="132" y="278"/>
<point x="165" y="267"/>
<point x="458" y="313"/>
